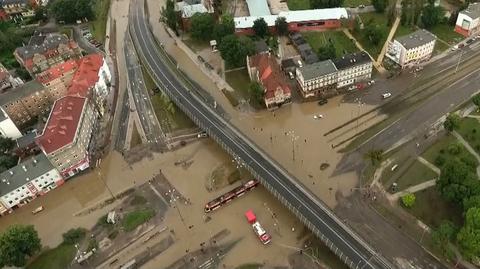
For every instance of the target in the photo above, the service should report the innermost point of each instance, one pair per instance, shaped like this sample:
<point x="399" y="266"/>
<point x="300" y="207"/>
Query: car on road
<point x="470" y="41"/>
<point x="371" y="82"/>
<point x="352" y="88"/>
<point x="317" y="117"/>
<point x="200" y="135"/>
<point x="290" y="74"/>
<point x="37" y="210"/>
<point x="322" y="101"/>
<point x="386" y="95"/>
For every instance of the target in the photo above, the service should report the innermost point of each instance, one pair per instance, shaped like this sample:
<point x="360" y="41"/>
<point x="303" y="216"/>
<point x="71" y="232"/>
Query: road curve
<point x="351" y="249"/>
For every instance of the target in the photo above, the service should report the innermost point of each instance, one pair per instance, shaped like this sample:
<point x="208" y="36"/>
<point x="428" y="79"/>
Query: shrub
<point x="74" y="236"/>
<point x="440" y="160"/>
<point x="408" y="200"/>
<point x="454" y="148"/>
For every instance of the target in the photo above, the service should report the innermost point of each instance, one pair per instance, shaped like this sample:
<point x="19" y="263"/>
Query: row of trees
<point x="17" y="244"/>
<point x="415" y="12"/>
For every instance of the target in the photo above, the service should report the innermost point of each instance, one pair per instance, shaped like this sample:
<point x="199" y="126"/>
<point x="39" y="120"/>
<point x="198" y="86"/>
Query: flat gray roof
<point x="416" y="39"/>
<point x="472" y="11"/>
<point x="20" y="91"/>
<point x="318" y="69"/>
<point x="17" y="176"/>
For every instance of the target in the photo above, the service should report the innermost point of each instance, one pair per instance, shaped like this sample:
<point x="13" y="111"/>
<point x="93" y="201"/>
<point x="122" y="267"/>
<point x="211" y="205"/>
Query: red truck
<point x="264" y="237"/>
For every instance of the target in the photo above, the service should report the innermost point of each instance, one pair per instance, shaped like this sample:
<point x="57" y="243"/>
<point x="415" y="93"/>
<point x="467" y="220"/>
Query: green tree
<point x="169" y="15"/>
<point x="40" y="13"/>
<point x="452" y="122"/>
<point x="23" y="74"/>
<point x="457" y="181"/>
<point x="234" y="50"/>
<point x="224" y="28"/>
<point x="256" y="92"/>
<point x="281" y="26"/>
<point x="70" y="11"/>
<point x="408" y="200"/>
<point x="468" y="239"/>
<point x="260" y="27"/>
<point x="18" y="243"/>
<point x="326" y="52"/>
<point x="202" y="25"/>
<point x="374" y="33"/>
<point x="325" y="3"/>
<point x="432" y="15"/>
<point x="74" y="236"/>
<point x="6" y="144"/>
<point x="445" y="233"/>
<point x="375" y="156"/>
<point x="472" y="201"/>
<point x="380" y="5"/>
<point x="7" y="161"/>
<point x="476" y="100"/>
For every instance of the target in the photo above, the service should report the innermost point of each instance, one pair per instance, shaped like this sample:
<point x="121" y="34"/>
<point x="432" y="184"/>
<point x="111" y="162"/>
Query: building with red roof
<point x="66" y="137"/>
<point x="92" y="79"/>
<point x="44" y="51"/>
<point x="264" y="69"/>
<point x="58" y="78"/>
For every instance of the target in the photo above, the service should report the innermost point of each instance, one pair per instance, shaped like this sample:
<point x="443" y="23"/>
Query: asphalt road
<point x="340" y="238"/>
<point x="143" y="105"/>
<point x="416" y="123"/>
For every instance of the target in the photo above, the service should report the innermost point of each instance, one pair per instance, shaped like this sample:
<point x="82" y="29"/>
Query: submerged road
<point x="351" y="249"/>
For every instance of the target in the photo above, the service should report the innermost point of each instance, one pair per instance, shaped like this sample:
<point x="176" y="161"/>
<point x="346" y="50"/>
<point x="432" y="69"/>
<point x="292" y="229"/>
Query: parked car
<point x="37" y="210"/>
<point x="352" y="88"/>
<point x="371" y="82"/>
<point x="361" y="6"/>
<point x="470" y="41"/>
<point x="290" y="74"/>
<point x="322" y="101"/>
<point x="386" y="95"/>
<point x="200" y="135"/>
<point x="317" y="117"/>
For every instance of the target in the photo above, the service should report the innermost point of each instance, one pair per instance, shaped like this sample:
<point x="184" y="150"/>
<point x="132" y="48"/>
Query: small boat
<point x="37" y="210"/>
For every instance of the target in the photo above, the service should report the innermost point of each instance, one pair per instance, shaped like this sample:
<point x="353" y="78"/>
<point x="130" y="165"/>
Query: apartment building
<point x="92" y="79"/>
<point x="24" y="103"/>
<point x="45" y="51"/>
<point x="26" y="181"/>
<point x="353" y="68"/>
<point x="468" y="20"/>
<point x="317" y="79"/>
<point x="264" y="69"/>
<point x="66" y="137"/>
<point x="18" y="8"/>
<point x="412" y="49"/>
<point x="58" y="78"/>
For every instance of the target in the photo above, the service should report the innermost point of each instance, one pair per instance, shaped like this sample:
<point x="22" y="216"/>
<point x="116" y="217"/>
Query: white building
<point x="412" y="49"/>
<point x="316" y="78"/>
<point x="24" y="182"/>
<point x="468" y="20"/>
<point x="92" y="80"/>
<point x="353" y="68"/>
<point x="7" y="126"/>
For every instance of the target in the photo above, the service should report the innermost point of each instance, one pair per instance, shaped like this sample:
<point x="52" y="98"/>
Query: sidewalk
<point x="413" y="189"/>
<point x="389" y="38"/>
<point x="428" y="164"/>
<point x="469" y="148"/>
<point x="379" y="68"/>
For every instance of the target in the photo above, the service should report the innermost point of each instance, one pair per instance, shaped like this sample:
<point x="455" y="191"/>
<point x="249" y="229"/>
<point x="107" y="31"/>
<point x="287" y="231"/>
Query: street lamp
<point x="293" y="138"/>
<point x="173" y="203"/>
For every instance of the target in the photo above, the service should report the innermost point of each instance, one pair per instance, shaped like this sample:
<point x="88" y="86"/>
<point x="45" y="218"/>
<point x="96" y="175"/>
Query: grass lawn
<point x="55" y="258"/>
<point x="445" y="32"/>
<point x="174" y="122"/>
<point x="378" y="19"/>
<point x="341" y="42"/>
<point x="440" y="149"/>
<point x="149" y="84"/>
<point x="196" y="45"/>
<point x="470" y="131"/>
<point x="356" y="3"/>
<point x="239" y="81"/>
<point x="136" y="218"/>
<point x="99" y="25"/>
<point x="404" y="30"/>
<point x="415" y="174"/>
<point x="432" y="209"/>
<point x="135" y="139"/>
<point x="298" y="4"/>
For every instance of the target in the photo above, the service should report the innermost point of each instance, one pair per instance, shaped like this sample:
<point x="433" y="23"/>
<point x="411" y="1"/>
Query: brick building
<point x="264" y="69"/>
<point x="45" y="51"/>
<point x="58" y="78"/>
<point x="25" y="102"/>
<point x="66" y="137"/>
